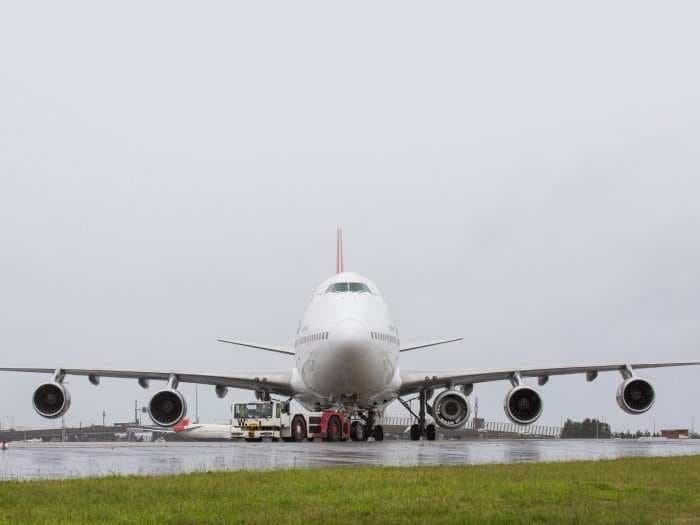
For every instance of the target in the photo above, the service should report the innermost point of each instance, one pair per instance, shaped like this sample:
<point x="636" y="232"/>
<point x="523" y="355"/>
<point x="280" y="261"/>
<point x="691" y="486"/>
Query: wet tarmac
<point x="43" y="460"/>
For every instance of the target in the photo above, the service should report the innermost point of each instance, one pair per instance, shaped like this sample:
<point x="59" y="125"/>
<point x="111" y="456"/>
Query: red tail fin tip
<point x="182" y="425"/>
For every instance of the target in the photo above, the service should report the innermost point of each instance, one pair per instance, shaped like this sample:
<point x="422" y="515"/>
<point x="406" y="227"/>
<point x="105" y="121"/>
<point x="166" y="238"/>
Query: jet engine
<point x="635" y="395"/>
<point x="523" y="405"/>
<point x="167" y="407"/>
<point x="51" y="400"/>
<point x="451" y="409"/>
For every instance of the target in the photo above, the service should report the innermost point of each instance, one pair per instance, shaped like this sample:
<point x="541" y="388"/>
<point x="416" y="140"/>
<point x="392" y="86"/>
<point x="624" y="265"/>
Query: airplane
<point x="345" y="356"/>
<point x="195" y="431"/>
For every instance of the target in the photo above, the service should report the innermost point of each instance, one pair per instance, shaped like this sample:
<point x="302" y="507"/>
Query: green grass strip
<point x="629" y="490"/>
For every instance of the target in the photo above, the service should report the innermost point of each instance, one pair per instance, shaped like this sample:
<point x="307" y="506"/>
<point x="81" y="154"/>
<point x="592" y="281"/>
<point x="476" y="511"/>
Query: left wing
<point x="414" y="381"/>
<point x="274" y="382"/>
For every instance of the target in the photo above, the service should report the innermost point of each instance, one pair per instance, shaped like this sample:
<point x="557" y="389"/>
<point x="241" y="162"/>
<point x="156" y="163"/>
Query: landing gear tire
<point x="333" y="431"/>
<point x="275" y="440"/>
<point x="415" y="432"/>
<point x="357" y="431"/>
<point x="430" y="432"/>
<point x="298" y="429"/>
<point x="378" y="433"/>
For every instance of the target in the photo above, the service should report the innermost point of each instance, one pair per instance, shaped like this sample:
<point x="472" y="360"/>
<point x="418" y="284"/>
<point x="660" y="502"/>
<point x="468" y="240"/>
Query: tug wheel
<point x="298" y="428"/>
<point x="333" y="431"/>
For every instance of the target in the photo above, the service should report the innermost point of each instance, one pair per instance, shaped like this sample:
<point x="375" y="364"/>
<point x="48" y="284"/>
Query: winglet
<point x="339" y="252"/>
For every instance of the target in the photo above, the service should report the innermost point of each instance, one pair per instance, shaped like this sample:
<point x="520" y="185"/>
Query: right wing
<point x="274" y="382"/>
<point x="414" y="381"/>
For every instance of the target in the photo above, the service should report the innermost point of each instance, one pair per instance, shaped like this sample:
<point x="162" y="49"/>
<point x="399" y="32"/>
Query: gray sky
<point x="525" y="175"/>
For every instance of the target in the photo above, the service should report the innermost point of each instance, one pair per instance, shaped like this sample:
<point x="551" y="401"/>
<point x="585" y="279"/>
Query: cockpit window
<point x="348" y="287"/>
<point x="338" y="287"/>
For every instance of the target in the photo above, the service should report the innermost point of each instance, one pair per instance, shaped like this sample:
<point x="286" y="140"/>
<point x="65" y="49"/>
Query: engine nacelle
<point x="167" y="407"/>
<point x="635" y="395"/>
<point x="523" y="405"/>
<point x="51" y="400"/>
<point x="451" y="409"/>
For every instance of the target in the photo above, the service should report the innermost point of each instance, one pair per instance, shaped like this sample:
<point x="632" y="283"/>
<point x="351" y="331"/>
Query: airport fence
<point x="493" y="427"/>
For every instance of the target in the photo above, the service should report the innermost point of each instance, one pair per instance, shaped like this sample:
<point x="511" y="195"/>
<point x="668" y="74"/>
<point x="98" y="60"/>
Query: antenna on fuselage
<point x="339" y="252"/>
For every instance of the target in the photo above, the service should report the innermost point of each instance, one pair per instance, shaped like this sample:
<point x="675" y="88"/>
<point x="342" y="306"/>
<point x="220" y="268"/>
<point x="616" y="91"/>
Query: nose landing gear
<point x="360" y="431"/>
<point x="357" y="431"/>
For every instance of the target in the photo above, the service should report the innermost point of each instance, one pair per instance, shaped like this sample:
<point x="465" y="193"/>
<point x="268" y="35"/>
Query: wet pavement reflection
<point x="44" y="460"/>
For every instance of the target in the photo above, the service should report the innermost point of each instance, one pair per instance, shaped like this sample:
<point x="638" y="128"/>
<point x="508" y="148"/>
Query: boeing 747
<point x="346" y="355"/>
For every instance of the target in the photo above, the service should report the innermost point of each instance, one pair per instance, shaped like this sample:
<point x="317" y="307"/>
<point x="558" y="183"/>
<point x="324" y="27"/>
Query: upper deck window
<point x="348" y="287"/>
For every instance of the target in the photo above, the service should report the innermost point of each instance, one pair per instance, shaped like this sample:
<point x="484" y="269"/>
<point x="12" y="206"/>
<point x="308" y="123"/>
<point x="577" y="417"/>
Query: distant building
<point x="586" y="429"/>
<point x="677" y="433"/>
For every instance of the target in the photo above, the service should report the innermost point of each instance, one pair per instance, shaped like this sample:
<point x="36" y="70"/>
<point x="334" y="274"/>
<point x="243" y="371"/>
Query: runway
<point x="55" y="461"/>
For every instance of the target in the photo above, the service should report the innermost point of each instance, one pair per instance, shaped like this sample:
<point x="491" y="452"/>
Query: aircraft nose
<point x="350" y="337"/>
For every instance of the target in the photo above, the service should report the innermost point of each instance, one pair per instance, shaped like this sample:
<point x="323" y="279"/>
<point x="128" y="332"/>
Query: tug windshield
<point x="252" y="410"/>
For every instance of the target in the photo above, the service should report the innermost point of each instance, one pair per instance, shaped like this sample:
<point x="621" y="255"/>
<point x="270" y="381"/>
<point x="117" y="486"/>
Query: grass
<point x="630" y="490"/>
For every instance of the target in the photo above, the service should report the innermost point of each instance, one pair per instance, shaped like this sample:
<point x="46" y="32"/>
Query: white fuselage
<point x="347" y="347"/>
<point x="205" y="432"/>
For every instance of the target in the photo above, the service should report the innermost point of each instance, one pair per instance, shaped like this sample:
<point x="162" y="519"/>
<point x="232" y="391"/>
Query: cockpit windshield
<point x="348" y="287"/>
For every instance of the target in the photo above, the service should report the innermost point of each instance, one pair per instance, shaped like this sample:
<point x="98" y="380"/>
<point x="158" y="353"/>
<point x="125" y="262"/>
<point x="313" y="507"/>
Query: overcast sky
<point x="524" y="175"/>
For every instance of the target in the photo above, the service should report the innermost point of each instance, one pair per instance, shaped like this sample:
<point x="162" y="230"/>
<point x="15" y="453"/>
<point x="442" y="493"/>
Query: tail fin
<point x="182" y="425"/>
<point x="339" y="252"/>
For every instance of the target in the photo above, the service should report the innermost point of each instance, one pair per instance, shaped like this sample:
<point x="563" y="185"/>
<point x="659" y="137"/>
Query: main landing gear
<point x="420" y="428"/>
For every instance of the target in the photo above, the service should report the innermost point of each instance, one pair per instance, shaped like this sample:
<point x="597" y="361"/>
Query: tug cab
<point x="274" y="420"/>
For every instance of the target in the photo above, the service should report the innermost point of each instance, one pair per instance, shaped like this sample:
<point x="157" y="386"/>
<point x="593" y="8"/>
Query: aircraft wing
<point x="273" y="382"/>
<point x="413" y="380"/>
